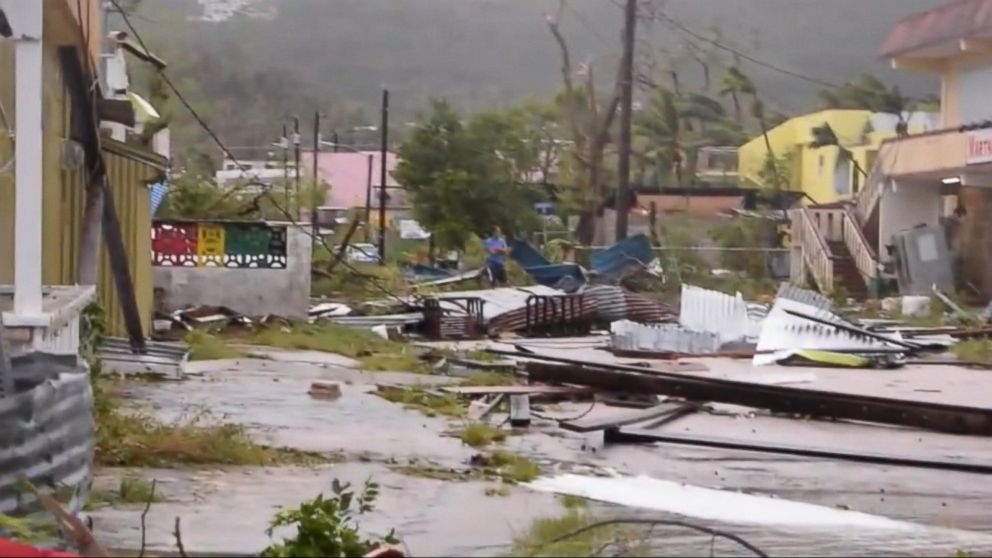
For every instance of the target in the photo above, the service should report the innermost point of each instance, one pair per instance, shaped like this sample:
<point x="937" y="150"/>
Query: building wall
<point x="975" y="85"/>
<point x="63" y="200"/>
<point x="254" y="292"/>
<point x="904" y="205"/>
<point x="820" y="172"/>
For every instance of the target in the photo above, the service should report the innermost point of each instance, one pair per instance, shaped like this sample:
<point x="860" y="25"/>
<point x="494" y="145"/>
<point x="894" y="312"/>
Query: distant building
<point x="253" y="176"/>
<point x="821" y="173"/>
<point x="351" y="185"/>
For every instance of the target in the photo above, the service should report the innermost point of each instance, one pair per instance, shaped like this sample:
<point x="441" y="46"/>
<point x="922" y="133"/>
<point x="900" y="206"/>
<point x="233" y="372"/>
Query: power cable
<point x="206" y="127"/>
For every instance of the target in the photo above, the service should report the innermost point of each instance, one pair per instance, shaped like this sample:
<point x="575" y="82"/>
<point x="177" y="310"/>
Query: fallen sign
<point x="782" y="399"/>
<point x="634" y="435"/>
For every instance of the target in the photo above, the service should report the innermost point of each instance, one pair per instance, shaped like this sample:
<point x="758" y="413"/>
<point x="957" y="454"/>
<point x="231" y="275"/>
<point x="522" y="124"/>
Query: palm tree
<point x="771" y="163"/>
<point x="869" y="93"/>
<point x="736" y="83"/>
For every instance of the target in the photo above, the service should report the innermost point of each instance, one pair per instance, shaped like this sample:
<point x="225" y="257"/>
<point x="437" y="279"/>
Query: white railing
<point x="829" y="222"/>
<point x="861" y="250"/>
<point x="816" y="253"/>
<point x="867" y="198"/>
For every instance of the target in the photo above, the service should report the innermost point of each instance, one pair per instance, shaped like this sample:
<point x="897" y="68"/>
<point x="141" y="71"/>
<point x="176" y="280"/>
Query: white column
<point x="28" y="158"/>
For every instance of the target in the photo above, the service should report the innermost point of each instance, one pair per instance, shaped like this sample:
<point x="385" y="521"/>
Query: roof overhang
<point x="923" y="41"/>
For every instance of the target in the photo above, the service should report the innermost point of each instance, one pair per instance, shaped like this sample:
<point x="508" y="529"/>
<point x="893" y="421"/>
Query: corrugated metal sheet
<point x="783" y="334"/>
<point x="47" y="433"/>
<point x="709" y="311"/>
<point x="632" y="336"/>
<point x="634" y="251"/>
<point x="805" y="296"/>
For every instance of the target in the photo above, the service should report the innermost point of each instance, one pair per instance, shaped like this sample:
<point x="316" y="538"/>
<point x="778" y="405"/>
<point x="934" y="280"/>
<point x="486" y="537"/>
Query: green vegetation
<point x="480" y="434"/>
<point x="490" y="378"/>
<point x="373" y="352"/>
<point x="329" y="526"/>
<point x="29" y="530"/>
<point x="513" y="468"/>
<point x="132" y="490"/>
<point x="573" y="502"/>
<point x="978" y="351"/>
<point x="500" y="490"/>
<point x="537" y="541"/>
<point x="204" y="346"/>
<point x="430" y="404"/>
<point x="359" y="282"/>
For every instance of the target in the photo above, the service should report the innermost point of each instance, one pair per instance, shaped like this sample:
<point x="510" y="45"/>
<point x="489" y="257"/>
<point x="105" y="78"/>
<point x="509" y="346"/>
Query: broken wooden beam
<point x="939" y="417"/>
<point x="634" y="435"/>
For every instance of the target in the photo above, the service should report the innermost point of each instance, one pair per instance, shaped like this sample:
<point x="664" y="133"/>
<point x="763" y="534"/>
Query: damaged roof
<point x="950" y="22"/>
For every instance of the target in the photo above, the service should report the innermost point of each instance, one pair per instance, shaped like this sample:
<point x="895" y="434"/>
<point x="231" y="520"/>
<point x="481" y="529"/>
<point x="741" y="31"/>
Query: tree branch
<point x="179" y="539"/>
<point x="144" y="514"/>
<point x="653" y="522"/>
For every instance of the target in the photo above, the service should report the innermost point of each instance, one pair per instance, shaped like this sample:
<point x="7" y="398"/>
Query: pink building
<point x="346" y="175"/>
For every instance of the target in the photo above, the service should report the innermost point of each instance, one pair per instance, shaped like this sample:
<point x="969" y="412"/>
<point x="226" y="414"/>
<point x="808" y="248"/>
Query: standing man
<point x="495" y="250"/>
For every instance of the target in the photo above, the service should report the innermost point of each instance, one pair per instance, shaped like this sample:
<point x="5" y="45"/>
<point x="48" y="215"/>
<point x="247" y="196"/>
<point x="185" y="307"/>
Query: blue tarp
<point x="541" y="270"/>
<point x="610" y="263"/>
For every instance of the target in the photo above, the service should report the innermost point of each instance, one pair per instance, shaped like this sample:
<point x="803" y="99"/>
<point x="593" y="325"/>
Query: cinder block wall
<point x="253" y="292"/>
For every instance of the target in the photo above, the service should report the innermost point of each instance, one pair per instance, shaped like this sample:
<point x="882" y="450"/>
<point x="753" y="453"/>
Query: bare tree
<point x="590" y="121"/>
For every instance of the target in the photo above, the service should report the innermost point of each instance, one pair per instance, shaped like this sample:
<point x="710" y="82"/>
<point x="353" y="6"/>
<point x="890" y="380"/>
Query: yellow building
<point x="130" y="170"/>
<point x="825" y="174"/>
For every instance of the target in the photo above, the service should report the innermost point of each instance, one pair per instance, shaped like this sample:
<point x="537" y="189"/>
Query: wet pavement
<point x="227" y="510"/>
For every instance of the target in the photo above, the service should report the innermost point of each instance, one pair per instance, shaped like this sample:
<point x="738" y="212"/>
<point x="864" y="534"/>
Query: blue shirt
<point x="494" y="243"/>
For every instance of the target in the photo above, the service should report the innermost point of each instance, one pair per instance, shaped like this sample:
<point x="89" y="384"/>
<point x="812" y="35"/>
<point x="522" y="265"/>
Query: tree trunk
<point x="737" y="107"/>
<point x="90" y="239"/>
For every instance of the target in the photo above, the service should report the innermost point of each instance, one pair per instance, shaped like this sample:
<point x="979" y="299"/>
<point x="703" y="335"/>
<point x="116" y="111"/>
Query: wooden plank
<point x="623" y="419"/>
<point x="517" y="390"/>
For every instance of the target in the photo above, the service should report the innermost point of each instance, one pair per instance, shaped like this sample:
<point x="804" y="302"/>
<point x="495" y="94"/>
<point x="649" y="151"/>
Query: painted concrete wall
<point x="254" y="292"/>
<point x="904" y="205"/>
<point x="974" y="94"/>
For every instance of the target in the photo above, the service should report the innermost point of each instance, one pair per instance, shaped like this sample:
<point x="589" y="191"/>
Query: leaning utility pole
<point x="626" y="107"/>
<point x="314" y="228"/>
<point x="382" y="176"/>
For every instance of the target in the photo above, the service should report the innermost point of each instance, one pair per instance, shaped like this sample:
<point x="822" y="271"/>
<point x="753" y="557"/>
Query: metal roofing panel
<point x="632" y="336"/>
<point x="709" y="311"/>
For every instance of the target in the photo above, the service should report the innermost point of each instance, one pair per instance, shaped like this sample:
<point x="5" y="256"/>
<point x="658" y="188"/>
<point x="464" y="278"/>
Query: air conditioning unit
<point x="73" y="155"/>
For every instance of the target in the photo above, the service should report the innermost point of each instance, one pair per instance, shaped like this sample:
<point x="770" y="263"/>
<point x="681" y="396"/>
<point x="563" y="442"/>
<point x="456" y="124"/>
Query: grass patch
<point x="132" y="490"/>
<point x="482" y="356"/>
<point x="430" y="404"/>
<point x="501" y="491"/>
<point x="618" y="541"/>
<point x="373" y="352"/>
<point x="481" y="434"/>
<point x="974" y="350"/>
<point x="513" y="468"/>
<point x="126" y="439"/>
<point x="204" y="346"/>
<point x="360" y="284"/>
<point x="29" y="530"/>
<point x="573" y="502"/>
<point x="490" y="378"/>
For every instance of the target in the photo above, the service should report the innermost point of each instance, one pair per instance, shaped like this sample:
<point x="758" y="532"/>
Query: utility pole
<point x="368" y="200"/>
<point x="296" y="146"/>
<point x="314" y="228"/>
<point x="626" y="107"/>
<point x="382" y="177"/>
<point x="285" y="165"/>
<point x="334" y="138"/>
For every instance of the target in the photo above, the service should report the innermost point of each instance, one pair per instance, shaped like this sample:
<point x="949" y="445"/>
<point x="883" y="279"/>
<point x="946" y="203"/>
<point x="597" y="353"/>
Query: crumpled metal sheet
<point x="783" y="334"/>
<point x="710" y="311"/>
<point x="804" y="296"/>
<point x="633" y="336"/>
<point x="46" y="433"/>
<point x="609" y="300"/>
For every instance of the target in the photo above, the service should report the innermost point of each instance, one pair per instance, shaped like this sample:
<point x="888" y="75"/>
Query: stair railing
<point x="857" y="244"/>
<point x="867" y="198"/>
<point x="816" y="253"/>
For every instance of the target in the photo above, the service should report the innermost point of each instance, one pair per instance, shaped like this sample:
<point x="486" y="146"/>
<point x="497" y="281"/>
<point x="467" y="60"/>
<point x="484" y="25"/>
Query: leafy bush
<point x="327" y="526"/>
